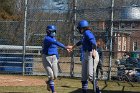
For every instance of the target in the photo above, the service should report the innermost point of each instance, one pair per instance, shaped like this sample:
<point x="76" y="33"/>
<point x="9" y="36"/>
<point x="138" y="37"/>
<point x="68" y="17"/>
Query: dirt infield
<point x="16" y="80"/>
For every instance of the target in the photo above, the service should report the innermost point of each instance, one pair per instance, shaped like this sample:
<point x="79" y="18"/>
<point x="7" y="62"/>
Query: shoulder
<point x="89" y="33"/>
<point x="48" y="38"/>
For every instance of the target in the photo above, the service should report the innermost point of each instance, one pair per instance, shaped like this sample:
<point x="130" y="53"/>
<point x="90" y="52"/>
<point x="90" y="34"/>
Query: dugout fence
<point x="24" y="35"/>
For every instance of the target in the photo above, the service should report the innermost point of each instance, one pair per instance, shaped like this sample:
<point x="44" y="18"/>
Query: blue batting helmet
<point x="51" y="28"/>
<point x="82" y="24"/>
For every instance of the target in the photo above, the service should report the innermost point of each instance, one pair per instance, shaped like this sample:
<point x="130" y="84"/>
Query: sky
<point x="55" y="5"/>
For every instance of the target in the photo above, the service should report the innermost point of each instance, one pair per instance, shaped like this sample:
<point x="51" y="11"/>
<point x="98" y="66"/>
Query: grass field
<point x="73" y="85"/>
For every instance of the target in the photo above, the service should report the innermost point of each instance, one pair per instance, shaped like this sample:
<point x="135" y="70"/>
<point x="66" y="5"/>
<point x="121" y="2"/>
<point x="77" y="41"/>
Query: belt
<point x="50" y="54"/>
<point x="87" y="50"/>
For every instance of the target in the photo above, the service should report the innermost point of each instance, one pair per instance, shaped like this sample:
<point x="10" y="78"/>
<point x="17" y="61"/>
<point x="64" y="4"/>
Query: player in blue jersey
<point x="89" y="53"/>
<point x="50" y="56"/>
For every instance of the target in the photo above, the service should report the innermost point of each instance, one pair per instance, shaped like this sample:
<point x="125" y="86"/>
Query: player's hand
<point x="94" y="53"/>
<point x="69" y="48"/>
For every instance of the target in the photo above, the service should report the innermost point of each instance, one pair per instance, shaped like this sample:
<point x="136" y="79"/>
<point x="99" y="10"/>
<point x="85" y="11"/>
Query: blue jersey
<point x="88" y="41"/>
<point x="50" y="46"/>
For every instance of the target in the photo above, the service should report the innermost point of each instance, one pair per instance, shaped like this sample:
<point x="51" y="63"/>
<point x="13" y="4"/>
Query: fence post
<point x="74" y="29"/>
<point x="111" y="34"/>
<point x="24" y="42"/>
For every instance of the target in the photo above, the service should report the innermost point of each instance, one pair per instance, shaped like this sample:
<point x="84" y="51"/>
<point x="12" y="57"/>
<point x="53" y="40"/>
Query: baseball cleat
<point x="48" y="86"/>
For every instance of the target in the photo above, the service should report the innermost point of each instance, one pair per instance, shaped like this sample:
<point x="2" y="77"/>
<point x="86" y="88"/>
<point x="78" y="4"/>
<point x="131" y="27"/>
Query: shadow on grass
<point x="105" y="85"/>
<point x="15" y="92"/>
<point x="104" y="91"/>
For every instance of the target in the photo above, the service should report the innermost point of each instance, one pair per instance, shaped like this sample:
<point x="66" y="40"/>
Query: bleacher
<point x="16" y="62"/>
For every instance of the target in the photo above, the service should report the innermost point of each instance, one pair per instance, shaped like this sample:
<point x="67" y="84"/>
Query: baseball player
<point x="100" y="64"/>
<point x="50" y="56"/>
<point x="88" y="43"/>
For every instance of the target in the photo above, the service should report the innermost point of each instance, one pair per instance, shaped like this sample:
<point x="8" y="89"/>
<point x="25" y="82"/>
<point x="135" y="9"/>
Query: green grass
<point x="73" y="85"/>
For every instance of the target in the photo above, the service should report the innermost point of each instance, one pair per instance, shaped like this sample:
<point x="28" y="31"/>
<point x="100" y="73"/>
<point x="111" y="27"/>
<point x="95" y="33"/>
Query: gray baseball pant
<point x="50" y="65"/>
<point x="87" y="65"/>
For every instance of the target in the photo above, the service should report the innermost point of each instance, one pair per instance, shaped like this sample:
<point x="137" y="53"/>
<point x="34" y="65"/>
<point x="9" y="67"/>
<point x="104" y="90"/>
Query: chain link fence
<point x="122" y="28"/>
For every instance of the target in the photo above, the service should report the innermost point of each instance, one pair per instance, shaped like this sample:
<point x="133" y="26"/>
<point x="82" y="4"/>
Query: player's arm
<point x="57" y="43"/>
<point x="92" y="39"/>
<point x="77" y="44"/>
<point x="68" y="48"/>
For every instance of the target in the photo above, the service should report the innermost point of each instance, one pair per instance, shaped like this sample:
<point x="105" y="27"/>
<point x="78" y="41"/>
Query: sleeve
<point x="56" y="43"/>
<point x="79" y="43"/>
<point x="91" y="38"/>
<point x="57" y="56"/>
